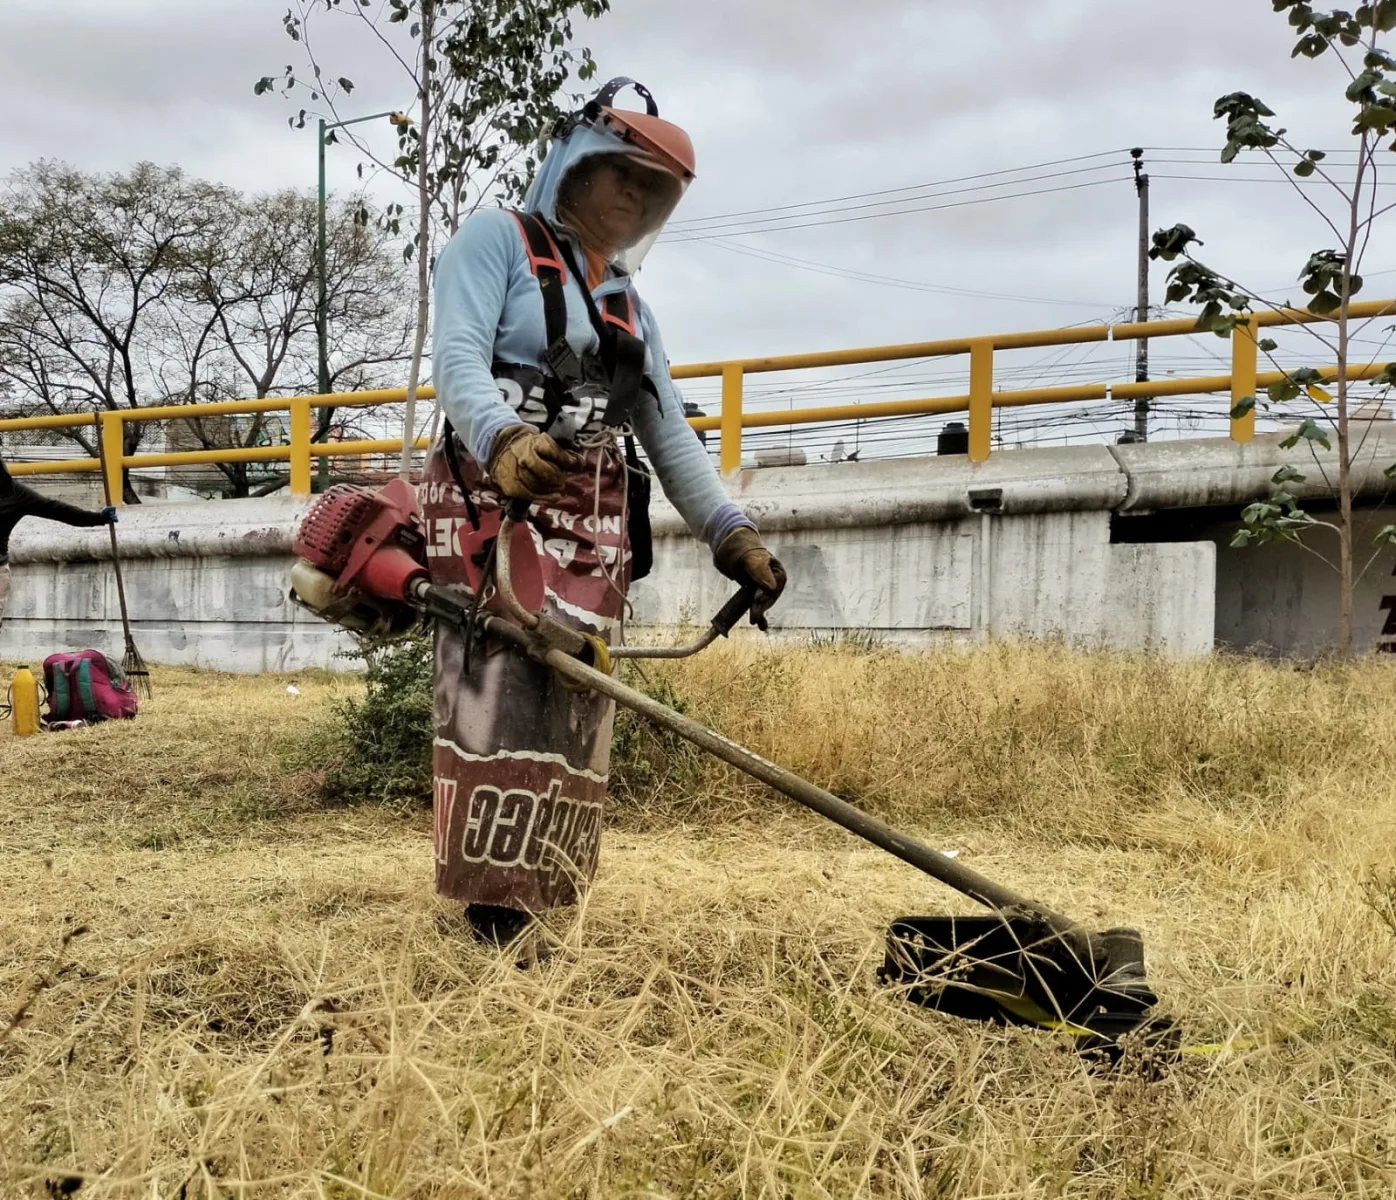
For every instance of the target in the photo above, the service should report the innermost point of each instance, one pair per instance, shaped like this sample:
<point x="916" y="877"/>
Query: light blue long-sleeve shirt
<point x="489" y="308"/>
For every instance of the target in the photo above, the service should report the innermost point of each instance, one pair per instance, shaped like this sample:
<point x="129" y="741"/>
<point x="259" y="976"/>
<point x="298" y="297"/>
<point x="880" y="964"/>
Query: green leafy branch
<point x="495" y="71"/>
<point x="1278" y="518"/>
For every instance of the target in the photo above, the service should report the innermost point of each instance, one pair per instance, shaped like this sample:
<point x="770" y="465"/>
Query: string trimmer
<point x="361" y="564"/>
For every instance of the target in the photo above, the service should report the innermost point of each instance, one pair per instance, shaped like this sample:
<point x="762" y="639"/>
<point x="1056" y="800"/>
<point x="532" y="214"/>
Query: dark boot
<point x="504" y="928"/>
<point x="496" y="925"/>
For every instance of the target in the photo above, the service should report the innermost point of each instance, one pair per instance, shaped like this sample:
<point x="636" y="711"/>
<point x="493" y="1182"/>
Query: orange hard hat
<point x="662" y="140"/>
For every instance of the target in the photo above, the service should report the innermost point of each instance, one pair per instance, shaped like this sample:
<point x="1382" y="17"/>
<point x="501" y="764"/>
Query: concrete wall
<point x="912" y="550"/>
<point x="1284" y="599"/>
<point x="916" y="549"/>
<point x="1272" y="599"/>
<point x="205" y="586"/>
<point x="1052" y="575"/>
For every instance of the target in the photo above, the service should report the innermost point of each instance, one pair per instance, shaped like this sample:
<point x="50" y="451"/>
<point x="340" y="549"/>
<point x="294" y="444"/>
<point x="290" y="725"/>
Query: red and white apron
<point x="520" y="762"/>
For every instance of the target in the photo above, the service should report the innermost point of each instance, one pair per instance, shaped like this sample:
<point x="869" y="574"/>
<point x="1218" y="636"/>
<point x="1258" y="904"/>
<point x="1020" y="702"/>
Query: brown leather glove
<point x="528" y="465"/>
<point x="743" y="558"/>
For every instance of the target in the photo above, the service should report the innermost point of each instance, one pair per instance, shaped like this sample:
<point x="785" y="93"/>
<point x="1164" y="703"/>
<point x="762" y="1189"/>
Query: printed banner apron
<point x="520" y="762"/>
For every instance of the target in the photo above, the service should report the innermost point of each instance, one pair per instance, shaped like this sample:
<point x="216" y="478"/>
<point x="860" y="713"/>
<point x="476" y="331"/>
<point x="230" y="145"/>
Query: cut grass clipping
<point x="217" y="984"/>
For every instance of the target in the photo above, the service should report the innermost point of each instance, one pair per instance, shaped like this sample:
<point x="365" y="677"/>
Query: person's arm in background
<point x="30" y="503"/>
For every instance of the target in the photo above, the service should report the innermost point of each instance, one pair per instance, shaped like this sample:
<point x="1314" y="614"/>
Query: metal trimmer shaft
<point x="939" y="866"/>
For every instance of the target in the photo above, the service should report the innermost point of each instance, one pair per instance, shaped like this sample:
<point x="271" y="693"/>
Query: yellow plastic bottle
<point x="24" y="700"/>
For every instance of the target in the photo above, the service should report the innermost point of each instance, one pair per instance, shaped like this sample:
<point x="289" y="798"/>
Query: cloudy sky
<point x="799" y="106"/>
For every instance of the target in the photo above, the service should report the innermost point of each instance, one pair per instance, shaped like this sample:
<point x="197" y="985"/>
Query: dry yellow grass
<point x="266" y="999"/>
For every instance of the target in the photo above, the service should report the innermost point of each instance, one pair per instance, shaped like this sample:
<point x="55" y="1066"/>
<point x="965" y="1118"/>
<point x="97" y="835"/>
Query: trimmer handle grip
<point x="733" y="611"/>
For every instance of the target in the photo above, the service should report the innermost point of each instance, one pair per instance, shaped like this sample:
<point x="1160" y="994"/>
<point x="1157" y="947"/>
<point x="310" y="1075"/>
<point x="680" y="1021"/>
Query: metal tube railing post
<point x="114" y="451"/>
<point x="730" y="454"/>
<point x="981" y="399"/>
<point x="1243" y="383"/>
<point x="300" y="447"/>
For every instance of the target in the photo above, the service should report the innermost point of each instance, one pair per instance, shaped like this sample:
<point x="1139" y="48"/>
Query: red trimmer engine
<point x="359" y="554"/>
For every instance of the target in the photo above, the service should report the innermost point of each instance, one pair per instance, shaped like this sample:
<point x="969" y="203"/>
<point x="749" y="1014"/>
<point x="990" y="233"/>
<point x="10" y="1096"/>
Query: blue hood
<point x="582" y="143"/>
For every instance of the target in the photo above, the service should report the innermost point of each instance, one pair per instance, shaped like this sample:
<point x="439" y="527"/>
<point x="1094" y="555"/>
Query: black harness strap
<point x="638" y="486"/>
<point x="548" y="268"/>
<point x="622" y="353"/>
<point x="453" y="461"/>
<point x="616" y="310"/>
<point x="622" y="358"/>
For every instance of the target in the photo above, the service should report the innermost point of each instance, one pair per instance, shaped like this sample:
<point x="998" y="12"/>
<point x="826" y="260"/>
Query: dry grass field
<point x="214" y="985"/>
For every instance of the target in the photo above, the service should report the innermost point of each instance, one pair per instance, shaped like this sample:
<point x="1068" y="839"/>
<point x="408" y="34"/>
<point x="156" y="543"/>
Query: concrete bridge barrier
<point x="1124" y="546"/>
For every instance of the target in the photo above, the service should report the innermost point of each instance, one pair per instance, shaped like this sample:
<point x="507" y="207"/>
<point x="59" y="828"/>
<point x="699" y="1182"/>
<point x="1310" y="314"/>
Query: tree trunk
<point x="414" y="375"/>
<point x="1345" y="582"/>
<point x="130" y="440"/>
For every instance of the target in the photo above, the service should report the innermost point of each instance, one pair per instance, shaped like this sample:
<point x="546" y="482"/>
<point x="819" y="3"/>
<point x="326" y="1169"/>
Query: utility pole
<point x="1141" y="361"/>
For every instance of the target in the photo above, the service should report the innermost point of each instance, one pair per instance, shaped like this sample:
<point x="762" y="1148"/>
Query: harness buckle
<point x="562" y="360"/>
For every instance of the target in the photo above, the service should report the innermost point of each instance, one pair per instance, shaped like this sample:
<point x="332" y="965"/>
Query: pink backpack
<point x="87" y="686"/>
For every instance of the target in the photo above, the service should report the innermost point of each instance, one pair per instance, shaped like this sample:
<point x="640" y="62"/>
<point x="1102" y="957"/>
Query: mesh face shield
<point x="624" y="195"/>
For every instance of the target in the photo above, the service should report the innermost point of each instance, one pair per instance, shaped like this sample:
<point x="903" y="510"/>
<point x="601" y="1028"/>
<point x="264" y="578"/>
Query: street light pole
<point x="322" y="323"/>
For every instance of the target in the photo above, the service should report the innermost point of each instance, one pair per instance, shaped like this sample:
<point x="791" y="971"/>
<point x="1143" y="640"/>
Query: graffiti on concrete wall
<point x="259" y="430"/>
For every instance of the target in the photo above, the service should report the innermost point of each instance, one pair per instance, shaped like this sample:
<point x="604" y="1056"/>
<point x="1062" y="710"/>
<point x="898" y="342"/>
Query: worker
<point x="545" y="362"/>
<point x="17" y="502"/>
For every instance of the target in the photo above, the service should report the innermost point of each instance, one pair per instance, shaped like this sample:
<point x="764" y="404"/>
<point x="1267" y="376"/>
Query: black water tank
<point x="954" y="439"/>
<point x="692" y="410"/>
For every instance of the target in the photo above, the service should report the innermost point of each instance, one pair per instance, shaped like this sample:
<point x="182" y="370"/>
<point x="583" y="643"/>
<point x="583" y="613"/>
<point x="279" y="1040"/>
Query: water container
<point x="24" y="703"/>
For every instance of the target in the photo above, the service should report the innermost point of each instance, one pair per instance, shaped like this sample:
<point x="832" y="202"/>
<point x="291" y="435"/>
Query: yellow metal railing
<point x="980" y="401"/>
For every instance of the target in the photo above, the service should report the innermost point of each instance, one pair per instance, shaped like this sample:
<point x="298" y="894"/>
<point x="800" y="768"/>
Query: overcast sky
<point x="789" y="102"/>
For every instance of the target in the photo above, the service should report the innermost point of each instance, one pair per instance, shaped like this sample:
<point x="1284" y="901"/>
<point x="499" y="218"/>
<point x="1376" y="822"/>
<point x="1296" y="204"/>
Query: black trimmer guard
<point x="1016" y="969"/>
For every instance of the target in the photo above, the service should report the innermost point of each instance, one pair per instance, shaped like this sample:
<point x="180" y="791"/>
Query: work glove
<point x="528" y="465"/>
<point x="743" y="558"/>
<point x="109" y="514"/>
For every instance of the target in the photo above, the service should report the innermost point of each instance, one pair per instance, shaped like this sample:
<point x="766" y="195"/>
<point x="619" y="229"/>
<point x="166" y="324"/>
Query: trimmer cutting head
<point x="1017" y="969"/>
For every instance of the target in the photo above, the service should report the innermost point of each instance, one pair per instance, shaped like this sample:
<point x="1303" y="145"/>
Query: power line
<point x="692" y="225"/>
<point x="1213" y="150"/>
<point x="715" y="221"/>
<point x="701" y="237"/>
<point x="913" y="187"/>
<point x="886" y="280"/>
<point x="775" y="222"/>
<point x="1257" y="179"/>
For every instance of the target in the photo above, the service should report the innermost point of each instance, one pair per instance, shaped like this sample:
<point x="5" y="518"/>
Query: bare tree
<point x="149" y="288"/>
<point x="85" y="263"/>
<point x="255" y="295"/>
